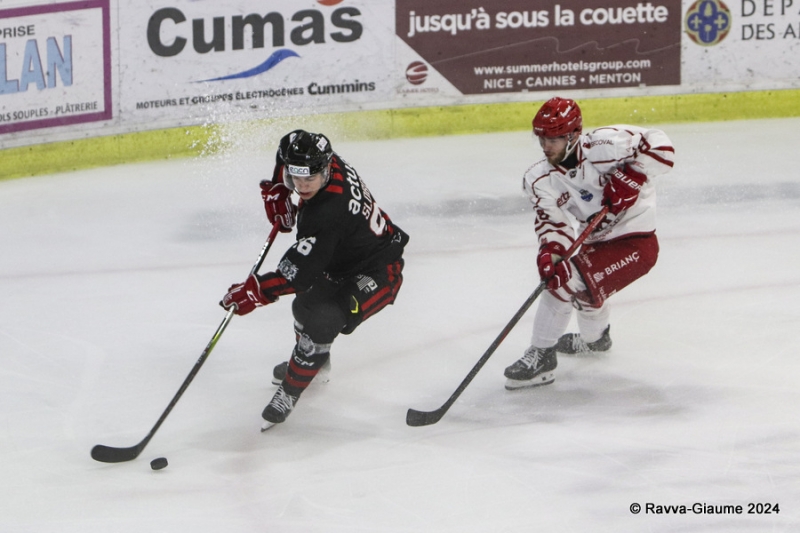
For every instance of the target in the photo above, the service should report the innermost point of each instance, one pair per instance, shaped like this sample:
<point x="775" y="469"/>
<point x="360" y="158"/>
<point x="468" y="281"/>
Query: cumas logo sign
<point x="302" y="28"/>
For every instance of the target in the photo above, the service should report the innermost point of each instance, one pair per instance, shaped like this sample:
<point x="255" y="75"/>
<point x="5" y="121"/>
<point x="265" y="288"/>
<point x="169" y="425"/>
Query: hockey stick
<point x="110" y="454"/>
<point x="425" y="418"/>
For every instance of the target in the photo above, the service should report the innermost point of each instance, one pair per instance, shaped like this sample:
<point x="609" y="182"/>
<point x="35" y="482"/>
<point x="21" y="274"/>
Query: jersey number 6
<point x="304" y="245"/>
<point x="376" y="221"/>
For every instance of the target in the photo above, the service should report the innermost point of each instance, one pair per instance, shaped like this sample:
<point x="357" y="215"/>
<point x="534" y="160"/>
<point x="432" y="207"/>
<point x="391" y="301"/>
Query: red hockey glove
<point x="557" y="274"/>
<point x="278" y="204"/>
<point x="245" y="297"/>
<point x="623" y="189"/>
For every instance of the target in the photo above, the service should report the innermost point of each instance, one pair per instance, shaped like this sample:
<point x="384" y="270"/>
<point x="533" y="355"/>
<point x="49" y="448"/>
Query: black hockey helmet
<point x="306" y="154"/>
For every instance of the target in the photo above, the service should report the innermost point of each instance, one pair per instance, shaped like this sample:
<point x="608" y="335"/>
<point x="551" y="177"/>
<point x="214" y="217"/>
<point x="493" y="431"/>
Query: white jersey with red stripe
<point x="556" y="191"/>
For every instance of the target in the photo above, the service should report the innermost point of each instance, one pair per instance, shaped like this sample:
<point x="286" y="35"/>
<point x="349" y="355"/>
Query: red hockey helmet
<point x="558" y="117"/>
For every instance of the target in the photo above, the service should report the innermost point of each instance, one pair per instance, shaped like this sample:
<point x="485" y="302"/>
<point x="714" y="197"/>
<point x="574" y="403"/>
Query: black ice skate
<point x="278" y="409"/>
<point x="279" y="372"/>
<point x="537" y="367"/>
<point x="572" y="343"/>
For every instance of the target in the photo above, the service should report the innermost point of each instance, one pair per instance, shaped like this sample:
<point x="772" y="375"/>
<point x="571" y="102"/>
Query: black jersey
<point x="340" y="232"/>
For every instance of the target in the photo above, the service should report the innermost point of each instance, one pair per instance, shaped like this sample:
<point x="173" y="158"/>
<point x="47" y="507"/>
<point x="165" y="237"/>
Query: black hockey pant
<point x="331" y="307"/>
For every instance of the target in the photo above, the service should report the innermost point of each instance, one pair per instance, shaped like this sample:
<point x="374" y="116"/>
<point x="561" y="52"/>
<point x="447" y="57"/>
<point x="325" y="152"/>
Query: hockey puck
<point x="159" y="463"/>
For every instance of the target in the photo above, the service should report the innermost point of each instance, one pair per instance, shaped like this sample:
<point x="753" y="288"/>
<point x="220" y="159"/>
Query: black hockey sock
<point x="302" y="370"/>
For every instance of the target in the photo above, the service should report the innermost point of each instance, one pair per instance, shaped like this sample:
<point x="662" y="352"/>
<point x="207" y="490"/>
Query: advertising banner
<point x="744" y="45"/>
<point x="55" y="65"/>
<point x="520" y="46"/>
<point x="265" y="57"/>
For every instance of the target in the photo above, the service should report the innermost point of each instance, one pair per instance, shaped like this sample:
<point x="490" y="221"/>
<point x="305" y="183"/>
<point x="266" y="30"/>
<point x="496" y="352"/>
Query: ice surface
<point x="109" y="283"/>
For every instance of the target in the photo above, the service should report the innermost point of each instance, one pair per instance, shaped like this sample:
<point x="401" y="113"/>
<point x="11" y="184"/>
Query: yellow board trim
<point x="393" y="123"/>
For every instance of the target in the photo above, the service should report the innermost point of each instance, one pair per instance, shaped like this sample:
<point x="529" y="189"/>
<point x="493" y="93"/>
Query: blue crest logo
<point x="708" y="22"/>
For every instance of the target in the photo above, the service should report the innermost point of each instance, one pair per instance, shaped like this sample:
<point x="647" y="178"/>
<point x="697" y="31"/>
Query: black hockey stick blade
<point x="109" y="454"/>
<point x="416" y="418"/>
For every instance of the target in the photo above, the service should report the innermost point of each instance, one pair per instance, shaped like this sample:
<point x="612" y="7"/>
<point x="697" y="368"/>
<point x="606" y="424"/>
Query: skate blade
<point x="543" y="379"/>
<point x="266" y="426"/>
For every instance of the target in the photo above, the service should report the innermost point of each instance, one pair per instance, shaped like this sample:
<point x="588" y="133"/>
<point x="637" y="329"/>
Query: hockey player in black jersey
<point x="345" y="266"/>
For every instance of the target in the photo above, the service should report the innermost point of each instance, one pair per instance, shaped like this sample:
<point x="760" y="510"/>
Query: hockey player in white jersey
<point x="615" y="166"/>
